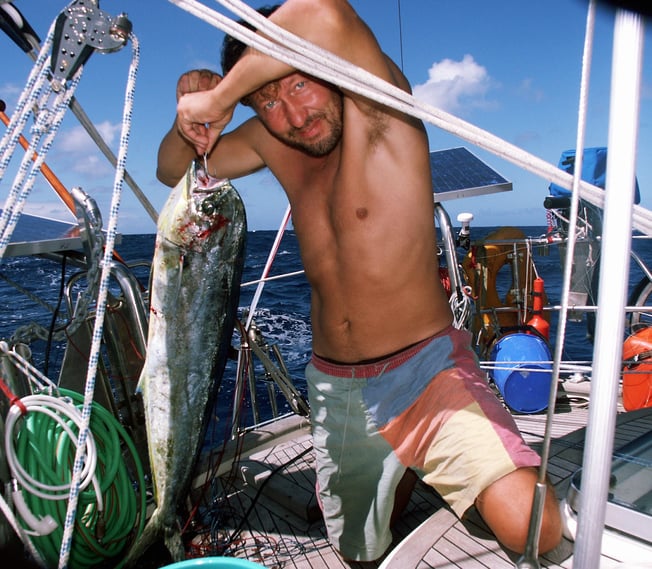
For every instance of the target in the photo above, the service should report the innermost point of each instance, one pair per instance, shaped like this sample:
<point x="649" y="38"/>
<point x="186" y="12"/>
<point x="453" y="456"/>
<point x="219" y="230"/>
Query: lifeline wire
<point x="101" y="302"/>
<point x="318" y="62"/>
<point x="268" y="266"/>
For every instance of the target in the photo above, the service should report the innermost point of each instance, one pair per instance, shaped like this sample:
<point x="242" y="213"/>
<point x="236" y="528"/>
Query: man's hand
<point x="199" y="117"/>
<point x="196" y="80"/>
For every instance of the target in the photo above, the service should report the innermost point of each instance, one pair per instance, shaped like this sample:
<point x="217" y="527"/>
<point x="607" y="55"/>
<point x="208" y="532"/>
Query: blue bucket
<point x="214" y="563"/>
<point x="522" y="371"/>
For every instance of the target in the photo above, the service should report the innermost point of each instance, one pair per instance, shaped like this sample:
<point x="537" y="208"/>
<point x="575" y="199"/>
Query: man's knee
<point x="506" y="506"/>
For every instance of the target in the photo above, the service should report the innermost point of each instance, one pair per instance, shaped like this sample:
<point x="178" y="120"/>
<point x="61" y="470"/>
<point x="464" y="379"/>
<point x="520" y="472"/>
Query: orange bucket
<point x="637" y="374"/>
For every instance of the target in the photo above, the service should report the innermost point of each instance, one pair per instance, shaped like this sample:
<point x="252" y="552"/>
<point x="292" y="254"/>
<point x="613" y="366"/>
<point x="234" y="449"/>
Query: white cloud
<point x="78" y="140"/>
<point x="50" y="210"/>
<point x="90" y="165"/>
<point x="76" y="151"/>
<point x="530" y="91"/>
<point x="455" y="85"/>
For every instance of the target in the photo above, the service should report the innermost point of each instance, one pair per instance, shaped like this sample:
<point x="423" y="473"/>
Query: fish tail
<point x="155" y="531"/>
<point x="174" y="544"/>
<point x="152" y="533"/>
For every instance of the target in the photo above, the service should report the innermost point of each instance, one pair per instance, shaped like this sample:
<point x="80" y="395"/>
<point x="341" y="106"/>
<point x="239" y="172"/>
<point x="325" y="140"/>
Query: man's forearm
<point x="330" y="24"/>
<point x="318" y="21"/>
<point x="174" y="155"/>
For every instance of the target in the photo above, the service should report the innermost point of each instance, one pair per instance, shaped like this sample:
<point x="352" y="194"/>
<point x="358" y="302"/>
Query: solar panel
<point x="457" y="173"/>
<point x="34" y="235"/>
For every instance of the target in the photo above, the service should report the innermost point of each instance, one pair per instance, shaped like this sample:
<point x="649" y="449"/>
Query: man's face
<point x="302" y="112"/>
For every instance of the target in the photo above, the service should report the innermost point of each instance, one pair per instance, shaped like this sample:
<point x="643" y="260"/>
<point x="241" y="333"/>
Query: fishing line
<point x="400" y="32"/>
<point x="237" y="531"/>
<point x="55" y="315"/>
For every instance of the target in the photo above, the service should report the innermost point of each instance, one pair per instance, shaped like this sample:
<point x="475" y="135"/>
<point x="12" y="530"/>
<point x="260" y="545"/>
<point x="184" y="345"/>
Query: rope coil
<point x="40" y="448"/>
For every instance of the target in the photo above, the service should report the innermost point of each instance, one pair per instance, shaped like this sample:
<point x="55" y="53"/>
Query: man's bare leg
<point x="506" y="505"/>
<point x="403" y="494"/>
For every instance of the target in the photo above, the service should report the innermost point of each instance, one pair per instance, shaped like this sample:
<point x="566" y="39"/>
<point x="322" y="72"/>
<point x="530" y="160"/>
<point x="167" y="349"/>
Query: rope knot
<point x="13" y="398"/>
<point x="43" y="123"/>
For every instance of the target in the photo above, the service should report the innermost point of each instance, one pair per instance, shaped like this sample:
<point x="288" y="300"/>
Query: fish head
<point x="195" y="209"/>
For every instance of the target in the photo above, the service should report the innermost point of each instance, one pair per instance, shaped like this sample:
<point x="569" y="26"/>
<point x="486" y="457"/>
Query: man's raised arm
<point x="330" y="24"/>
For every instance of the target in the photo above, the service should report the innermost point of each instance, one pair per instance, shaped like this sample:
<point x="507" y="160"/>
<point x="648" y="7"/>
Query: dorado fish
<point x="194" y="293"/>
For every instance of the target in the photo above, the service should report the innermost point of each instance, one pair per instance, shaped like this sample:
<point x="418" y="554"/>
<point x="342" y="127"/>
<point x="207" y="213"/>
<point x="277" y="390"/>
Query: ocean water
<point x="283" y="312"/>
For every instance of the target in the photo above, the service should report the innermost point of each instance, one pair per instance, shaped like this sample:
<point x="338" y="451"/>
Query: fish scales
<point x="194" y="293"/>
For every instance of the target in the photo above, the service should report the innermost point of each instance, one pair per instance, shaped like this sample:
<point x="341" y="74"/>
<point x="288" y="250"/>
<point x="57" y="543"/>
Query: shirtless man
<point x="391" y="384"/>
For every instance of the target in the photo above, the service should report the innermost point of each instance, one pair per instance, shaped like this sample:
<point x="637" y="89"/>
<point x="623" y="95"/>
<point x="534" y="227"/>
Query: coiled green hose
<point x="104" y="527"/>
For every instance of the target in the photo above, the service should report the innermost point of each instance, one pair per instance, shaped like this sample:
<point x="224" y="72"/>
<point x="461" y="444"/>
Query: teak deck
<point x="272" y="516"/>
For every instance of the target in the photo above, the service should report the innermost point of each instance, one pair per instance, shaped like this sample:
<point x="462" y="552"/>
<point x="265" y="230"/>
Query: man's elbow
<point x="167" y="178"/>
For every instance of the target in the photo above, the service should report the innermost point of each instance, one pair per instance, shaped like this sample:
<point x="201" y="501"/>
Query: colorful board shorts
<point x="428" y="408"/>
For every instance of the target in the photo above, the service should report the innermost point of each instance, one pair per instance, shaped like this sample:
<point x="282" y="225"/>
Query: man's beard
<point x="320" y="147"/>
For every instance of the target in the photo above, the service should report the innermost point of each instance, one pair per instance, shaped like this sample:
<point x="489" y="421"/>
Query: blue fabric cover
<point x="594" y="169"/>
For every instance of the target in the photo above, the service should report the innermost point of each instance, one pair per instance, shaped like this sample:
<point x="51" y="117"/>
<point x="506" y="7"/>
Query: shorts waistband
<point x="367" y="370"/>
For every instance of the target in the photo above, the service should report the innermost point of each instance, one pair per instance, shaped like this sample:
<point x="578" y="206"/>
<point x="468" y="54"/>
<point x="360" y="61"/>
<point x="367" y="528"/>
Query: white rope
<point x="26" y="100"/>
<point x="48" y="121"/>
<point x="47" y="124"/>
<point x="461" y="307"/>
<point x="21" y="363"/>
<point x="46" y="127"/>
<point x="101" y="304"/>
<point x="311" y="59"/>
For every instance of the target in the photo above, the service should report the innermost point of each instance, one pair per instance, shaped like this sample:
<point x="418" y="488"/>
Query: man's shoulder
<point x="382" y="123"/>
<point x="250" y="133"/>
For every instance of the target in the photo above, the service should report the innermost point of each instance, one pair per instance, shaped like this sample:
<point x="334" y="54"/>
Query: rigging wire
<point x="400" y="32"/>
<point x="529" y="559"/>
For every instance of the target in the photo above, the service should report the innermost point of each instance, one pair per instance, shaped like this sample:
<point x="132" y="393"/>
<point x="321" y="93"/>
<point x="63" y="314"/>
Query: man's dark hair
<point x="232" y="49"/>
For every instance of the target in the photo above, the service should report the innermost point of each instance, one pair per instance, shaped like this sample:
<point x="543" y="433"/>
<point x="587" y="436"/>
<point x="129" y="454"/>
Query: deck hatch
<point x="629" y="508"/>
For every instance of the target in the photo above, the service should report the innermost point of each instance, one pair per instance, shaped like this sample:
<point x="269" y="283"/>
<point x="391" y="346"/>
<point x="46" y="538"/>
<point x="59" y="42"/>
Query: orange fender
<point x="637" y="374"/>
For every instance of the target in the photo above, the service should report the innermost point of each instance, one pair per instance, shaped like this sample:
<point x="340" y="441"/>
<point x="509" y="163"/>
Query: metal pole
<point x="612" y="293"/>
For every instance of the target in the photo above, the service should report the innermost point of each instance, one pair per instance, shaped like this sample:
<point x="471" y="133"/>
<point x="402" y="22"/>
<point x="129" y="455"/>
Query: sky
<point x="510" y="67"/>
